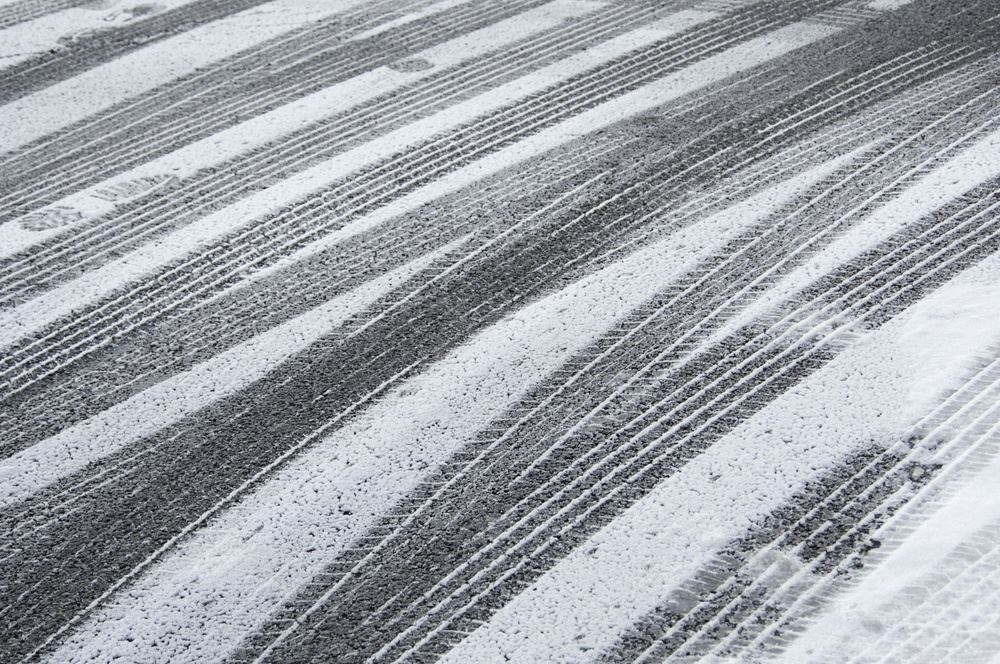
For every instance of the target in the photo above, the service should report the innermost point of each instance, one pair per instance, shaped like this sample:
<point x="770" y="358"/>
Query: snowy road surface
<point x="499" y="331"/>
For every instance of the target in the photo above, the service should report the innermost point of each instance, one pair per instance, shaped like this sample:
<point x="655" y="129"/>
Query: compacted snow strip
<point x="245" y="562"/>
<point x="886" y="5"/>
<point x="429" y="10"/>
<point x="259" y="130"/>
<point x="47" y="33"/>
<point x="875" y="390"/>
<point x="970" y="168"/>
<point x="97" y="89"/>
<point x="60" y="301"/>
<point x="170" y="400"/>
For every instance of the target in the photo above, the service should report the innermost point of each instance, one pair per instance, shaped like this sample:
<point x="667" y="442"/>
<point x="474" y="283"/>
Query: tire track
<point x="592" y="585"/>
<point x="381" y="311"/>
<point x="93" y="244"/>
<point x="87" y="51"/>
<point x="527" y="265"/>
<point x="133" y="373"/>
<point x="350" y="380"/>
<point x="962" y="594"/>
<point x="198" y="352"/>
<point x="236" y="317"/>
<point x="957" y="439"/>
<point x="917" y="113"/>
<point x="371" y="599"/>
<point x="312" y="232"/>
<point x="308" y="219"/>
<point x="382" y="61"/>
<point x="342" y="47"/>
<point x="26" y="10"/>
<point x="177" y="60"/>
<point x="958" y="609"/>
<point x="603" y="431"/>
<point x="194" y="336"/>
<point x="746" y="573"/>
<point x="61" y="181"/>
<point x="289" y="383"/>
<point x="433" y="641"/>
<point x="283" y="48"/>
<point x="359" y="342"/>
<point x="64" y="262"/>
